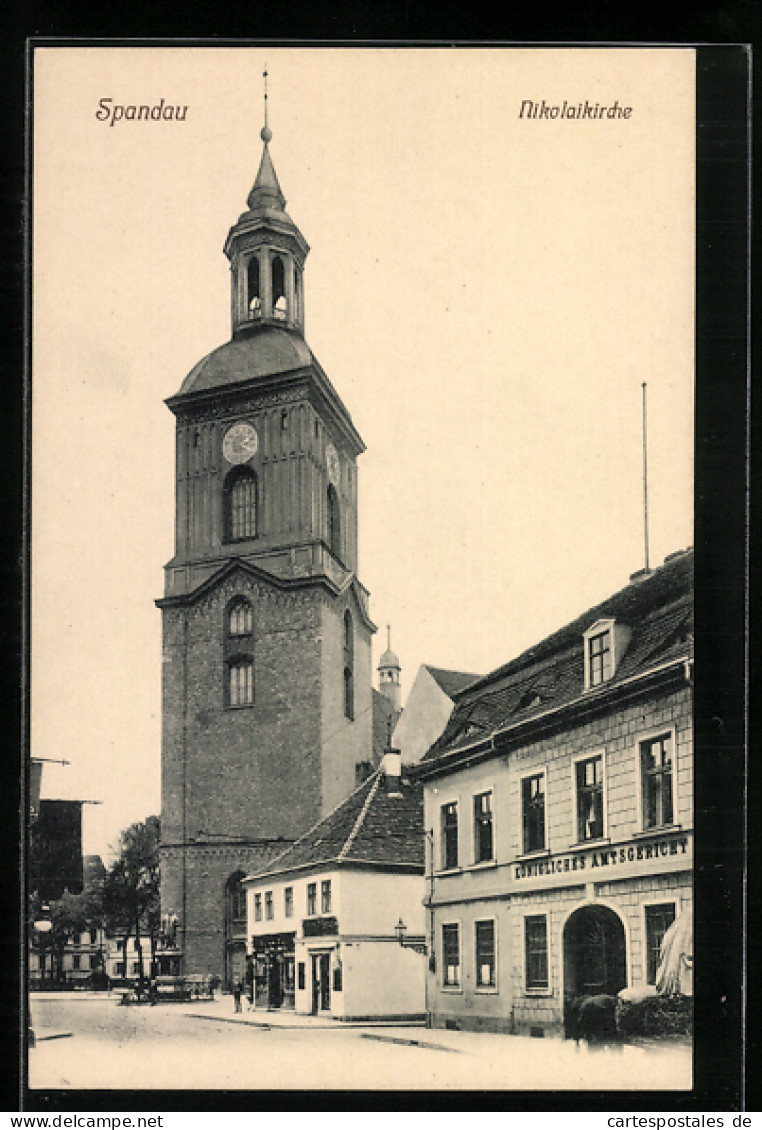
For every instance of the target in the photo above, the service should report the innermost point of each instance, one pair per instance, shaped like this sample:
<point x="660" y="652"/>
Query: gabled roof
<point x="451" y="681"/>
<point x="658" y="609"/>
<point x="372" y="827"/>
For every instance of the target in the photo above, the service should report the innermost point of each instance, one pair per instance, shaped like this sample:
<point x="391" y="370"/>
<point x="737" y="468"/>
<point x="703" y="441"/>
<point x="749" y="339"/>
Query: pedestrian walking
<point x="237" y="990"/>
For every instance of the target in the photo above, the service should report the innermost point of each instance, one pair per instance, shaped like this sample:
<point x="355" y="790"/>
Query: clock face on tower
<point x="332" y="461"/>
<point x="240" y="443"/>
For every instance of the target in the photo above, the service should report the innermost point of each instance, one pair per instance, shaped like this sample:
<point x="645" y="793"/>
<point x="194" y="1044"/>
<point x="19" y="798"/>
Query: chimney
<point x="391" y="767"/>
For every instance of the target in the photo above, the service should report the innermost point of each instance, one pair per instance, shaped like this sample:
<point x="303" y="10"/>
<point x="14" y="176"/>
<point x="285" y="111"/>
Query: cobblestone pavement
<point x="85" y="1042"/>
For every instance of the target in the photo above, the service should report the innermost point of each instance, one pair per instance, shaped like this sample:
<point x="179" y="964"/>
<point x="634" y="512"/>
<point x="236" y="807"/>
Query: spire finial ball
<point x="266" y="134"/>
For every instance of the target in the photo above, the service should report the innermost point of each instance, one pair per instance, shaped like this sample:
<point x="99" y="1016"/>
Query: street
<point x="87" y="1041"/>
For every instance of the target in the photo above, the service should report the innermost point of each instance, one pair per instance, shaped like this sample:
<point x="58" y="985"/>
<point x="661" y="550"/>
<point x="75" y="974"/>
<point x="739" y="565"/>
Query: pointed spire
<point x="266" y="192"/>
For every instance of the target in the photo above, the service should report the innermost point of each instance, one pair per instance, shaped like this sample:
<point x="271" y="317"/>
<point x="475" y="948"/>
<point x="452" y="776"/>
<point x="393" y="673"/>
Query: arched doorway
<point x="235" y="930"/>
<point x="595" y="953"/>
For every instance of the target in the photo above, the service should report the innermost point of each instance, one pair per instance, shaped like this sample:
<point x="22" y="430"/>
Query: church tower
<point x="266" y="629"/>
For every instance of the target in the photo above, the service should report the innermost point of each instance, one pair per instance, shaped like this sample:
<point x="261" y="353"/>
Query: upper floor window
<point x="311" y="898"/>
<point x="240" y="504"/>
<point x="239" y="653"/>
<point x="533" y="812"/>
<point x="269" y="911"/>
<point x="599" y="658"/>
<point x="288" y="902"/>
<point x="656" y="770"/>
<point x="257" y="908"/>
<point x="659" y="918"/>
<point x="483" y="846"/>
<point x="588" y="780"/>
<point x="325" y="896"/>
<point x="451" y="954"/>
<point x="605" y="643"/>
<point x="449" y="827"/>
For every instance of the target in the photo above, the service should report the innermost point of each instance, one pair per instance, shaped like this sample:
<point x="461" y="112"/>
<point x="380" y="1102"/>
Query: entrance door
<point x="321" y="985"/>
<point x="595" y="959"/>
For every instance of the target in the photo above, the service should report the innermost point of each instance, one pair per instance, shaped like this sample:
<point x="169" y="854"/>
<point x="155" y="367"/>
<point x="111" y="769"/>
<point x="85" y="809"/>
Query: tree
<point x="131" y="889"/>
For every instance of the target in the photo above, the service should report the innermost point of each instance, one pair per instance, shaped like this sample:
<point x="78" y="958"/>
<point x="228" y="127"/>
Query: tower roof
<point x="266" y="191"/>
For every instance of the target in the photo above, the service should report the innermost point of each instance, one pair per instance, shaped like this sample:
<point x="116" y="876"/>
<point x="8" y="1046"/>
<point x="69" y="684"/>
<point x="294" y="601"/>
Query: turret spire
<point x="266" y="192"/>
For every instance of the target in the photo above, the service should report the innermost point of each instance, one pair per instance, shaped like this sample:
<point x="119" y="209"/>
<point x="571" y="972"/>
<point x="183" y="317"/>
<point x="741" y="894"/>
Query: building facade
<point x="560" y="803"/>
<point x="322" y="917"/>
<point x="266" y="630"/>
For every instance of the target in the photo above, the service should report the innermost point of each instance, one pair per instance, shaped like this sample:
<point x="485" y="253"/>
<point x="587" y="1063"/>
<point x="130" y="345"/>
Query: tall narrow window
<point x="349" y="666"/>
<point x="325" y="896"/>
<point x="288" y="902"/>
<point x="279" y="288"/>
<point x="239" y="653"/>
<point x="536" y="951"/>
<point x="658" y="921"/>
<point x="483" y="849"/>
<point x="311" y="898"/>
<point x="589" y="783"/>
<point x="240" y="504"/>
<point x="656" y="775"/>
<point x="449" y="824"/>
<point x="451" y="954"/>
<point x="253" y="293"/>
<point x="533" y="812"/>
<point x="334" y="522"/>
<point x="599" y="655"/>
<point x="257" y="908"/>
<point x="269" y="910"/>
<point x="485" y="954"/>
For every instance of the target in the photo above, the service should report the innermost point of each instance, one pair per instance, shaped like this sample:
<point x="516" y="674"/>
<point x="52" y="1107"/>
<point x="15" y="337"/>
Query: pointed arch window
<point x="240" y="504"/>
<point x="334" y="522"/>
<point x="349" y="665"/>
<point x="239" y="653"/>
<point x="253" y="292"/>
<point x="279" y="288"/>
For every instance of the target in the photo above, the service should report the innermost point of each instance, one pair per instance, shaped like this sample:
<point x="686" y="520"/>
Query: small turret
<point x="389" y="674"/>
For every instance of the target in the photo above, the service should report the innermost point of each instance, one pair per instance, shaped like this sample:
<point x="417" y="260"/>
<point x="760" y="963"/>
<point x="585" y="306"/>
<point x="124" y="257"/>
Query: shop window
<point x="533" y="812"/>
<point x="449" y="826"/>
<point x="485" y="954"/>
<point x="588" y="780"/>
<point x="257" y="908"/>
<point x="311" y="898"/>
<point x="325" y="896"/>
<point x="451" y="954"/>
<point x="656" y="768"/>
<point x="658" y="920"/>
<point x="300" y="975"/>
<point x="268" y="904"/>
<point x="337" y="979"/>
<point x="483" y="845"/>
<point x="536" y="952"/>
<point x="288" y="902"/>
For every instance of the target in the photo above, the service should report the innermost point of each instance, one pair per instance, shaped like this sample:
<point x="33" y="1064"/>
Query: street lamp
<point x="417" y="944"/>
<point x="43" y="926"/>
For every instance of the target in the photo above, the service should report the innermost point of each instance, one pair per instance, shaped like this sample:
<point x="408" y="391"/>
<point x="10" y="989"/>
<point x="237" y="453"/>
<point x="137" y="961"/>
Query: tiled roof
<point x="451" y="681"/>
<point x="658" y="608"/>
<point x="372" y="826"/>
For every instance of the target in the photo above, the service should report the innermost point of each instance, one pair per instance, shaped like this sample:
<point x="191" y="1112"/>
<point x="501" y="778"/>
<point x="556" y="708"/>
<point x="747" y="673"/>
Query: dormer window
<point x="605" y="643"/>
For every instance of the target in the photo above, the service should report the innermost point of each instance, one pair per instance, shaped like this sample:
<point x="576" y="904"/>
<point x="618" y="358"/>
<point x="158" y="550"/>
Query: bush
<point x="655" y="1016"/>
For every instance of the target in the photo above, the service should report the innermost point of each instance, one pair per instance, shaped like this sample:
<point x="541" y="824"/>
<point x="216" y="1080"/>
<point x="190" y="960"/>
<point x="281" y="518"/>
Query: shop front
<point x="272" y="958"/>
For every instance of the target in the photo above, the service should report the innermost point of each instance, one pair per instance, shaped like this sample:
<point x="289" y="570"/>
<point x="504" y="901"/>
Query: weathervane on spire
<point x="266" y="133"/>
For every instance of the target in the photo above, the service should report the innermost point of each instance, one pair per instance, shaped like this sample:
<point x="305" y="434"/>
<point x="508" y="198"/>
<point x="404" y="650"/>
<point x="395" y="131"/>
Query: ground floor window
<point x="658" y="920"/>
<point x="536" y="952"/>
<point x="451" y="954"/>
<point x="485" y="954"/>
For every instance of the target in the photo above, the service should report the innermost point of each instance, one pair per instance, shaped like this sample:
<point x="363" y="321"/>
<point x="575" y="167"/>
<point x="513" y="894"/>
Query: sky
<point x="486" y="291"/>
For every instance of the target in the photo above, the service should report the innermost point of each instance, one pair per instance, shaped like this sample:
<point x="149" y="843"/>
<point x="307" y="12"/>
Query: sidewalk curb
<point x="408" y="1042"/>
